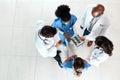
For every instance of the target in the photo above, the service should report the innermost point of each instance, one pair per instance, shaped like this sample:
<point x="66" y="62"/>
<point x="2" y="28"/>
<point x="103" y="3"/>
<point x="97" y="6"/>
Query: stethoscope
<point x="44" y="40"/>
<point x="100" y="51"/>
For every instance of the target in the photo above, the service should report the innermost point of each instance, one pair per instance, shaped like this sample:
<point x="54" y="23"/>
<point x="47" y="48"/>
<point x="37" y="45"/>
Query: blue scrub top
<point x="68" y="29"/>
<point x="68" y="66"/>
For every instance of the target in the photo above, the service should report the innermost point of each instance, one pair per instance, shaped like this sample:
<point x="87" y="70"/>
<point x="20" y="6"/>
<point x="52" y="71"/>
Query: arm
<point x="95" y="31"/>
<point x="39" y="25"/>
<point x="105" y="23"/>
<point x="93" y="34"/>
<point x="103" y="29"/>
<point x="73" y="56"/>
<point x="55" y="24"/>
<point x="74" y="19"/>
<point x="74" y="28"/>
<point x="43" y="51"/>
<point x="83" y="18"/>
<point x="48" y="50"/>
<point x="98" y="30"/>
<point x="86" y="14"/>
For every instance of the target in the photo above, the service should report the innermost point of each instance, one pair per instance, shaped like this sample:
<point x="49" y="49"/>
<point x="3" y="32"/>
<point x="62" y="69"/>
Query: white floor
<point x="19" y="59"/>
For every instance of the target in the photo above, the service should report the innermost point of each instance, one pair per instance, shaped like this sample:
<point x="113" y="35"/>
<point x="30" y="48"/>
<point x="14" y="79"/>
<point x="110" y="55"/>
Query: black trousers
<point x="58" y="58"/>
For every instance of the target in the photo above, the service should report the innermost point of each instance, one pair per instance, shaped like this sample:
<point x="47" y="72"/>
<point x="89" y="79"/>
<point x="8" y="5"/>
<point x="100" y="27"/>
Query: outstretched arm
<point x="73" y="56"/>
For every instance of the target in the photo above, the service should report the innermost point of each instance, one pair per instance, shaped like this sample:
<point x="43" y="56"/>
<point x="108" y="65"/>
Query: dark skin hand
<point x="58" y="43"/>
<point x="67" y="36"/>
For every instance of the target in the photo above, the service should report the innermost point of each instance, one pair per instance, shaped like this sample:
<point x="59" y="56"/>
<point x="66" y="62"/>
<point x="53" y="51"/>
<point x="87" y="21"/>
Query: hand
<point x="67" y="36"/>
<point x="82" y="38"/>
<point x="89" y="43"/>
<point x="74" y="56"/>
<point x="87" y="59"/>
<point x="58" y="43"/>
<point x="81" y="27"/>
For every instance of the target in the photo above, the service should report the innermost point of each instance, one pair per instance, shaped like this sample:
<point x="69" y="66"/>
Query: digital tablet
<point x="76" y="40"/>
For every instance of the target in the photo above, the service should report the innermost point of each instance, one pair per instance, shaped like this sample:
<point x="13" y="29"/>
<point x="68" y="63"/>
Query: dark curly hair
<point x="104" y="43"/>
<point x="47" y="31"/>
<point x="63" y="12"/>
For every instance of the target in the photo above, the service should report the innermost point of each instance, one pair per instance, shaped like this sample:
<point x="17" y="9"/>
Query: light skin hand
<point x="74" y="56"/>
<point x="82" y="38"/>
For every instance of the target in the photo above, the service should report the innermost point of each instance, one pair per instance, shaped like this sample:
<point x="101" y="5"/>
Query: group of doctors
<point x="94" y="24"/>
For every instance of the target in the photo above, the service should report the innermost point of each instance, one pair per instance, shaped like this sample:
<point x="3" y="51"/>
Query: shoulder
<point x="105" y="20"/>
<point x="90" y="6"/>
<point x="56" y="22"/>
<point x="86" y="64"/>
<point x="67" y="63"/>
<point x="39" y="25"/>
<point x="104" y="55"/>
<point x="73" y="17"/>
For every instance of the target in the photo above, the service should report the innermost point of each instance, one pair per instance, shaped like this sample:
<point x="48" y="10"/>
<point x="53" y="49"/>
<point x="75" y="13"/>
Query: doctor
<point x="64" y="23"/>
<point x="45" y="43"/>
<point x="101" y="50"/>
<point x="94" y="23"/>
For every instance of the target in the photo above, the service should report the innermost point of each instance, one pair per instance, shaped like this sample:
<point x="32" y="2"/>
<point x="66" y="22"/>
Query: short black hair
<point x="63" y="12"/>
<point x="47" y="31"/>
<point x="105" y="43"/>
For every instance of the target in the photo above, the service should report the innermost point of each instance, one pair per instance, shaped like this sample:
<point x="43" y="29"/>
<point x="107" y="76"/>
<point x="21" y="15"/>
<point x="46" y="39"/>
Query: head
<point x="48" y="31"/>
<point x="98" y="10"/>
<point x="105" y="44"/>
<point x="78" y="65"/>
<point x="63" y="12"/>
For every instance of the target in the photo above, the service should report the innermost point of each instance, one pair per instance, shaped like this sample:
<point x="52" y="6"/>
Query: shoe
<point x="58" y="59"/>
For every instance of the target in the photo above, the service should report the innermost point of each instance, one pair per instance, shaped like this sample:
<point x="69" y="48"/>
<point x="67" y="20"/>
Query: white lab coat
<point x="98" y="57"/>
<point x="100" y="27"/>
<point x="46" y="50"/>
